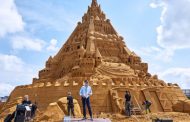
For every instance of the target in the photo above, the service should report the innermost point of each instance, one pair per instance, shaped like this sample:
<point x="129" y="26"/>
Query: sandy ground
<point x="176" y="117"/>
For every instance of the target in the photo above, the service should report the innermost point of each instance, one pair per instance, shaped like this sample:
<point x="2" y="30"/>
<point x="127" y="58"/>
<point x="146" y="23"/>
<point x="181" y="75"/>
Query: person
<point x="25" y="102"/>
<point x="33" y="110"/>
<point x="85" y="93"/>
<point x="147" y="105"/>
<point x="70" y="104"/>
<point x="128" y="103"/>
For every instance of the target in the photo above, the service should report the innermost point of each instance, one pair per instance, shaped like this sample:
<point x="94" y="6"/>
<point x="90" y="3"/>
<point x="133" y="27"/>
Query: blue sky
<point x="32" y="30"/>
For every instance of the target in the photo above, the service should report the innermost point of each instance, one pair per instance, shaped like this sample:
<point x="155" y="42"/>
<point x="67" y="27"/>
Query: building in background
<point x="187" y="92"/>
<point x="3" y="99"/>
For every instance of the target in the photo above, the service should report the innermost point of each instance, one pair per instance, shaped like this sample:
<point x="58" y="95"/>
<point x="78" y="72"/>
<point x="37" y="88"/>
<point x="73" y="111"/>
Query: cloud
<point x="180" y="76"/>
<point x="5" y="89"/>
<point x="11" y="63"/>
<point x="173" y="32"/>
<point x="175" y="27"/>
<point x="10" y="20"/>
<point x="157" y="53"/>
<point x="20" y="43"/>
<point x="53" y="45"/>
<point x="55" y="19"/>
<point x="153" y="5"/>
<point x="26" y="43"/>
<point x="14" y="71"/>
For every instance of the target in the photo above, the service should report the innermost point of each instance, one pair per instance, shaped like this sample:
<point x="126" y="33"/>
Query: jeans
<point x="86" y="101"/>
<point x="128" y="108"/>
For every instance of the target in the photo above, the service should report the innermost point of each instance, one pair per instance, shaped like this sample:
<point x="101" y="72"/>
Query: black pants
<point x="86" y="101"/>
<point x="9" y="117"/>
<point x="70" y="109"/>
<point x="33" y="110"/>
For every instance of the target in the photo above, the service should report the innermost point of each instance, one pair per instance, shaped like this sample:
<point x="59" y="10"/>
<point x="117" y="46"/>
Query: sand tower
<point x="95" y="51"/>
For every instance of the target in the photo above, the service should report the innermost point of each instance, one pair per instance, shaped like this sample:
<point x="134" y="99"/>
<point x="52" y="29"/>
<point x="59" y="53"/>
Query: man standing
<point x="70" y="105"/>
<point x="128" y="103"/>
<point x="85" y="93"/>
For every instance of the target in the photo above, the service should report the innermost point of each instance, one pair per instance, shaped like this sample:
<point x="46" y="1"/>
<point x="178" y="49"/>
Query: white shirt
<point x="86" y="91"/>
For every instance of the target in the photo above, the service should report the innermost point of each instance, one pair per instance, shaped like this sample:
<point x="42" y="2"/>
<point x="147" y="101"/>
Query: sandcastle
<point x="96" y="52"/>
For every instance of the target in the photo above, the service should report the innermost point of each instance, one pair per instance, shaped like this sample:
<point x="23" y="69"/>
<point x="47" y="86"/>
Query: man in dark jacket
<point x="128" y="103"/>
<point x="25" y="102"/>
<point x="70" y="104"/>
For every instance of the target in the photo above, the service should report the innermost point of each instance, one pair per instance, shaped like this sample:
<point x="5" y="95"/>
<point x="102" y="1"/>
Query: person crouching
<point x="147" y="105"/>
